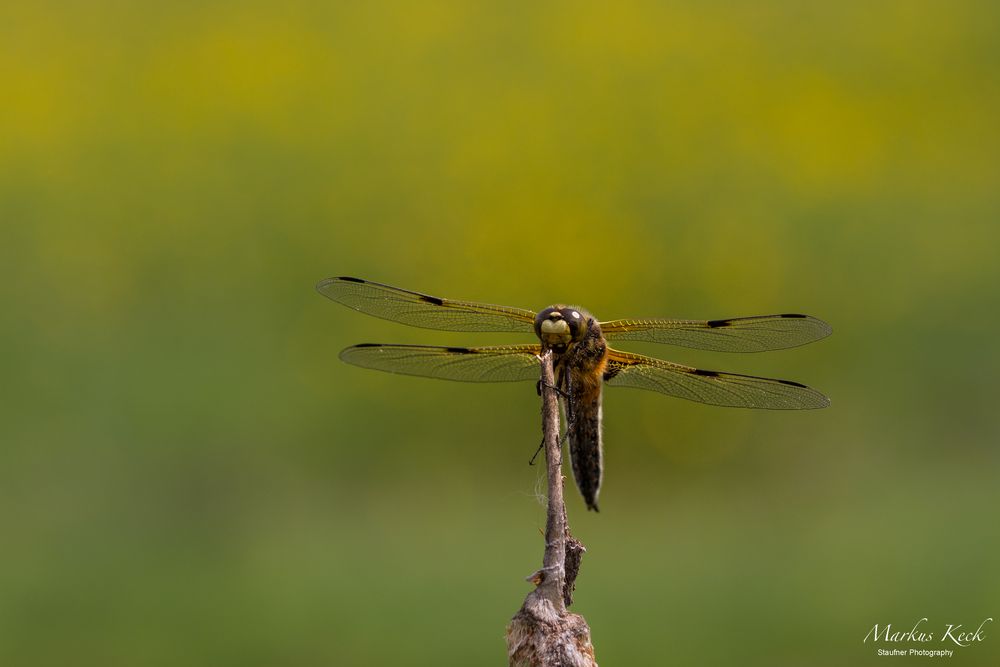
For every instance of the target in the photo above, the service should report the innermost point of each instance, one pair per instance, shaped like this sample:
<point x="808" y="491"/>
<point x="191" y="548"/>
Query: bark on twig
<point x="543" y="633"/>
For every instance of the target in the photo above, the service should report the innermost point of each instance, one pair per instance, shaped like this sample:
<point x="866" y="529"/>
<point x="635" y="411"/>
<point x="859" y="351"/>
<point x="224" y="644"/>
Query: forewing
<point x="712" y="387"/>
<point x="422" y="310"/>
<point x="736" y="334"/>
<point x="507" y="363"/>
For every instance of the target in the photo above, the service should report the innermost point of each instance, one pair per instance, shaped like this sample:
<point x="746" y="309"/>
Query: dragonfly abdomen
<point x="585" y="444"/>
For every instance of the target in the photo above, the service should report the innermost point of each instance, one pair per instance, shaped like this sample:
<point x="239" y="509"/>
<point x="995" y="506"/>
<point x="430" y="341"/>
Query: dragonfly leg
<point x="538" y="451"/>
<point x="541" y="446"/>
<point x="568" y="402"/>
<point x="569" y="420"/>
<point x="560" y="392"/>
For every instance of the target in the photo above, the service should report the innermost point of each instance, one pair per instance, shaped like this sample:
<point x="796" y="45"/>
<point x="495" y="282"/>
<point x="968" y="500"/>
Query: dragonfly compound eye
<point x="577" y="323"/>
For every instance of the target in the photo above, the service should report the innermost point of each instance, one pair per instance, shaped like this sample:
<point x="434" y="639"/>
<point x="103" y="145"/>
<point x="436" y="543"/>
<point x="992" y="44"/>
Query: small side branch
<point x="543" y="633"/>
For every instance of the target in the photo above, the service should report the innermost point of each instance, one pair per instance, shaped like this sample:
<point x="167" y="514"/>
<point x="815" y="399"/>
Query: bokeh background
<point x="189" y="476"/>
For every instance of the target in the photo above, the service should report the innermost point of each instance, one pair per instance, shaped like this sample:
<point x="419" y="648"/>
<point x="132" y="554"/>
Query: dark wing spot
<point x="793" y="384"/>
<point x="367" y="345"/>
<point x="432" y="299"/>
<point x="459" y="350"/>
<point x="718" y="323"/>
<point x="796" y="315"/>
<point x="351" y="280"/>
<point x="710" y="374"/>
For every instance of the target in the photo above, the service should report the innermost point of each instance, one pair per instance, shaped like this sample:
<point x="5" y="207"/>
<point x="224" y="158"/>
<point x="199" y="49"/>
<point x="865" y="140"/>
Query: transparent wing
<point x="507" y="363"/>
<point x="736" y="334"/>
<point x="712" y="387"/>
<point x="422" y="310"/>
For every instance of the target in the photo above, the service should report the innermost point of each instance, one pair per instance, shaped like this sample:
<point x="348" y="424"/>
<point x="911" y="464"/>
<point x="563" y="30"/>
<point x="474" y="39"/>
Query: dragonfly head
<point x="559" y="326"/>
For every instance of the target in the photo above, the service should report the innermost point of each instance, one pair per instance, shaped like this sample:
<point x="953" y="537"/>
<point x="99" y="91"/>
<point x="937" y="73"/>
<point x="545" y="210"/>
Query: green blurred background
<point x="189" y="476"/>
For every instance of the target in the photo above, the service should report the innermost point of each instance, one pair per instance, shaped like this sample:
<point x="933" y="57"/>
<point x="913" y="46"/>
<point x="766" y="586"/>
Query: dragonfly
<point x="582" y="360"/>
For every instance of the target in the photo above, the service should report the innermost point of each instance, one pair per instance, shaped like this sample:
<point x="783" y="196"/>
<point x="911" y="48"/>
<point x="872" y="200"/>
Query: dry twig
<point x="543" y="633"/>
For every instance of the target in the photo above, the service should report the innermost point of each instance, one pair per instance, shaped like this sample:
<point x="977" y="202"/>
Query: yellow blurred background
<point x="189" y="476"/>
